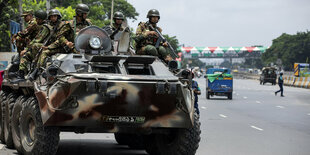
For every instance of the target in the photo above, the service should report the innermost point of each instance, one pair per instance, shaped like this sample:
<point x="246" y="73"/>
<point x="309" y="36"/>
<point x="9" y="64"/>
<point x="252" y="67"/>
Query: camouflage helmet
<point x="118" y="15"/>
<point x="27" y="12"/>
<point x="40" y="14"/>
<point x="54" y="12"/>
<point x="82" y="8"/>
<point x="153" y="13"/>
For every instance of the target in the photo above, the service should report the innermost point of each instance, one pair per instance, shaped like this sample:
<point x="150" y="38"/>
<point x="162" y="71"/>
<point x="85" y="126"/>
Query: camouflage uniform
<point x="146" y="43"/>
<point x="77" y="26"/>
<point x="23" y="38"/>
<point x="35" y="46"/>
<point x="62" y="33"/>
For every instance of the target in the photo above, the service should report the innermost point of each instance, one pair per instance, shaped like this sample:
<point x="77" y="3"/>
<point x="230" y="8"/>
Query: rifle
<point x="162" y="38"/>
<point x="34" y="72"/>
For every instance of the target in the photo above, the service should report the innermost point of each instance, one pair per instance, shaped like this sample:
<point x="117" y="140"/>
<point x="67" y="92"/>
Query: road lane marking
<point x="237" y="94"/>
<point x="1" y="146"/>
<point x="204" y="107"/>
<point x="245" y="97"/>
<point x="257" y="128"/>
<point x="222" y="115"/>
<point x="258" y="102"/>
<point x="281" y="107"/>
<point x="309" y="114"/>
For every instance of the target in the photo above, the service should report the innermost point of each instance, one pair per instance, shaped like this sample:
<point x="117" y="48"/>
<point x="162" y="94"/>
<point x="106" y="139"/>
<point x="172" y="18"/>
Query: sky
<point x="226" y="22"/>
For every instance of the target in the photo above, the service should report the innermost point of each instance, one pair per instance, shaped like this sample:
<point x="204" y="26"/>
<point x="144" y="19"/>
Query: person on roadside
<point x="280" y="83"/>
<point x="197" y="92"/>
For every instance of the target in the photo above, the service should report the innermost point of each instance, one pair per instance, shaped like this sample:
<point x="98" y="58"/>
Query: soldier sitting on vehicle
<point x="24" y="37"/>
<point x="61" y="39"/>
<point x="28" y="54"/>
<point x="146" y="38"/>
<point x="52" y="44"/>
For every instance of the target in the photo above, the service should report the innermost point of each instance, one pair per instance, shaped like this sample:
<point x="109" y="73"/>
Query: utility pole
<point x="20" y="10"/>
<point x="48" y="5"/>
<point x="112" y="10"/>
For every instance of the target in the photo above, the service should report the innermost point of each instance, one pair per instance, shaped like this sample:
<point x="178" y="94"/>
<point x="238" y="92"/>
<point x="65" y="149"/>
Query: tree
<point x="289" y="49"/>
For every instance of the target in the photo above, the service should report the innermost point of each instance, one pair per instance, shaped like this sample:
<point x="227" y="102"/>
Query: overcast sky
<point x="227" y="22"/>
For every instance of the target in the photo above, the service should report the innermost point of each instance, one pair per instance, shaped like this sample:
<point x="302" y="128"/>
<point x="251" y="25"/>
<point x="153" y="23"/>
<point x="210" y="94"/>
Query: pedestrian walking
<point x="280" y="83"/>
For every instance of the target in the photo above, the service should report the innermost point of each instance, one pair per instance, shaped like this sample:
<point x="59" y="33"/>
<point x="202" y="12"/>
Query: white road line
<point x="204" y="107"/>
<point x="237" y="94"/>
<point x="1" y="146"/>
<point x="258" y="102"/>
<point x="309" y="114"/>
<point x="281" y="107"/>
<point x="257" y="128"/>
<point x="245" y="97"/>
<point x="222" y="115"/>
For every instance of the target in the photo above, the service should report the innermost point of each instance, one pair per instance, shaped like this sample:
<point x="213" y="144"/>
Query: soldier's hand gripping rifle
<point x="160" y="39"/>
<point x="34" y="67"/>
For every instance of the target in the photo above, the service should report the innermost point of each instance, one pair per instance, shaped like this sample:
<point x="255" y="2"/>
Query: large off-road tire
<point x="177" y="142"/>
<point x="9" y="104"/>
<point x="121" y="138"/>
<point x="36" y="139"/>
<point x="15" y="122"/>
<point x="134" y="141"/>
<point x="3" y="96"/>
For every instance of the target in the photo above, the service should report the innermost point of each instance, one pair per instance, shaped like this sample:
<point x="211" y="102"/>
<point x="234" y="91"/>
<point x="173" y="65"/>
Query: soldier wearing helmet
<point x="146" y="38"/>
<point x="118" y="19"/>
<point x="23" y="38"/>
<point x="78" y="22"/>
<point x="62" y="34"/>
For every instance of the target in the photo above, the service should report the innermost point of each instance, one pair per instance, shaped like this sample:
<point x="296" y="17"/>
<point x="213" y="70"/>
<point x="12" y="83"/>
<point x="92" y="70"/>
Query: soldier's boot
<point x="20" y="76"/>
<point x="32" y="76"/>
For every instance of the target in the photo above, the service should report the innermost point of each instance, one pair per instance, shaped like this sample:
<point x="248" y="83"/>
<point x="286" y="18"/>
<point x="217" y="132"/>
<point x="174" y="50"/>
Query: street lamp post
<point x="112" y="8"/>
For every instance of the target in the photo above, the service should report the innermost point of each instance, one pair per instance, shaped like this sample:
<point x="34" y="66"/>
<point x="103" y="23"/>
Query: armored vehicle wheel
<point x="178" y="142"/>
<point x="15" y="122"/>
<point x="134" y="141"/>
<point x="35" y="138"/>
<point x="9" y="103"/>
<point x="3" y="96"/>
<point x="121" y="138"/>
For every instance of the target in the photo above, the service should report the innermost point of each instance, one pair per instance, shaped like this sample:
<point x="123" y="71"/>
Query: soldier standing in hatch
<point x="116" y="27"/>
<point x="146" y="38"/>
<point x="79" y="22"/>
<point x="24" y="37"/>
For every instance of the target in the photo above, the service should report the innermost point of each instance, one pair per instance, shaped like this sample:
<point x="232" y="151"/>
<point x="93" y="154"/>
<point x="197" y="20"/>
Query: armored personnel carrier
<point x="145" y="102"/>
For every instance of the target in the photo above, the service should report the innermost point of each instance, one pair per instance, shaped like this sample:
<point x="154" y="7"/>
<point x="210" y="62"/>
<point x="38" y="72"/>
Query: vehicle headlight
<point x="95" y="42"/>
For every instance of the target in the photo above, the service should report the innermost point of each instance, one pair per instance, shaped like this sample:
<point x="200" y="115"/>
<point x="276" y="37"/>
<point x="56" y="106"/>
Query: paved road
<point x="255" y="122"/>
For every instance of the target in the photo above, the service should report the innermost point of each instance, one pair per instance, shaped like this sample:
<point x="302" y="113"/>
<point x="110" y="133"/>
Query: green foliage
<point x="33" y="5"/>
<point x="67" y="13"/>
<point x="289" y="48"/>
<point x="7" y="13"/>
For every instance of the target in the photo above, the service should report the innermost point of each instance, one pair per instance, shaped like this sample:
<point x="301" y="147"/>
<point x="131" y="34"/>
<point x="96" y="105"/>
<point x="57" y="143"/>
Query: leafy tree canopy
<point x="289" y="49"/>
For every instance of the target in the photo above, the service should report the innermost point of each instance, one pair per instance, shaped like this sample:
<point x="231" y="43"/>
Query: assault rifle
<point x="34" y="67"/>
<point x="160" y="39"/>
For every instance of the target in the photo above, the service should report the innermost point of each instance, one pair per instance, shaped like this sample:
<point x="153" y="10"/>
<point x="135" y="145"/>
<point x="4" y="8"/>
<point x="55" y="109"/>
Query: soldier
<point x="40" y="19"/>
<point x="61" y="39"/>
<point x="24" y="37"/>
<point x="53" y="30"/>
<point x="116" y="27"/>
<point x="147" y="38"/>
